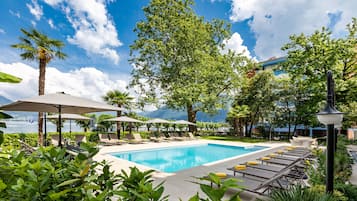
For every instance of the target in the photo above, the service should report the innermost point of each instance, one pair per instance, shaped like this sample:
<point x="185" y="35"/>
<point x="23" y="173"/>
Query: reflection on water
<point x="32" y="127"/>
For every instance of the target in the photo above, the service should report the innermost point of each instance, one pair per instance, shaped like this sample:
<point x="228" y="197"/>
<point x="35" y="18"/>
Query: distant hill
<point x="166" y="113"/>
<point x="4" y="100"/>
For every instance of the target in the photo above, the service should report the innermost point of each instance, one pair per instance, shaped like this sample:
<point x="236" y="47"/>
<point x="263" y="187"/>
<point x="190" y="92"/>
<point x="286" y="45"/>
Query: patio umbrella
<point x="59" y="102"/>
<point x="69" y="117"/>
<point x="182" y="122"/>
<point x="157" y="121"/>
<point x="125" y="119"/>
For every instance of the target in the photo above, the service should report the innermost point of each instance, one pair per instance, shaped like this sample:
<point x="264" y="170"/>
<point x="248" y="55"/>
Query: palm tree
<point x="120" y="99"/>
<point x="37" y="46"/>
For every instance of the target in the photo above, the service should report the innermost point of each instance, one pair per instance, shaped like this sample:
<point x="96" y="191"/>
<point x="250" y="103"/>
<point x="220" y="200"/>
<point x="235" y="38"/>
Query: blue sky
<point x="97" y="35"/>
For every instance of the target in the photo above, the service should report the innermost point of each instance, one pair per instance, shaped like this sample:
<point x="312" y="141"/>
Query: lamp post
<point x="330" y="117"/>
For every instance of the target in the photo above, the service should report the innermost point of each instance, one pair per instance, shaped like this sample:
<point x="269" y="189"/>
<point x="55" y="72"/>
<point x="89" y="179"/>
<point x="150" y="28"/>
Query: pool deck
<point x="178" y="184"/>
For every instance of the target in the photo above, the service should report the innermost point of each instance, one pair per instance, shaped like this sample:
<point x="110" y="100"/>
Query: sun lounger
<point x="78" y="139"/>
<point x="135" y="139"/>
<point x="272" y="168"/>
<point x="110" y="139"/>
<point x="252" y="172"/>
<point x="55" y="139"/>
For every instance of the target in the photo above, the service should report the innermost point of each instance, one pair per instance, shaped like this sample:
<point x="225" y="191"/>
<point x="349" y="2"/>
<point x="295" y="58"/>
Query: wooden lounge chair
<point x="78" y="139"/>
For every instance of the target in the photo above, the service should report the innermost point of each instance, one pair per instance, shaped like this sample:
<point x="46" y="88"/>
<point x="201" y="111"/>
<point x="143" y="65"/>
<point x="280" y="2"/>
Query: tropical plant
<point x="39" y="47"/>
<point x="120" y="99"/>
<point x="102" y="124"/>
<point x="139" y="186"/>
<point x="4" y="77"/>
<point x="85" y="124"/>
<point x="217" y="189"/>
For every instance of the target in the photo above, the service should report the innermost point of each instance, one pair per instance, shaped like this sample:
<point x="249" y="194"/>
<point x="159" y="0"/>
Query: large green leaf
<point x="4" y="115"/>
<point x="4" y="77"/>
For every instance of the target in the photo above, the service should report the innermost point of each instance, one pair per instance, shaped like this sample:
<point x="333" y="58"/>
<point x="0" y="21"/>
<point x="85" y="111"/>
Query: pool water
<point x="174" y="159"/>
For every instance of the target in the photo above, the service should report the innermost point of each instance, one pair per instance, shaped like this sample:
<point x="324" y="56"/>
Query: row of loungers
<point x="112" y="139"/>
<point x="276" y="170"/>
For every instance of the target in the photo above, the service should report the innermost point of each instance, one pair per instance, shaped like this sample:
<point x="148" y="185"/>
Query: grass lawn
<point x="233" y="138"/>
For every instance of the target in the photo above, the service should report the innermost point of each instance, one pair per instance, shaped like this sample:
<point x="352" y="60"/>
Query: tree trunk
<point x="118" y="123"/>
<point x="236" y="126"/>
<point x="191" y="115"/>
<point x="41" y="91"/>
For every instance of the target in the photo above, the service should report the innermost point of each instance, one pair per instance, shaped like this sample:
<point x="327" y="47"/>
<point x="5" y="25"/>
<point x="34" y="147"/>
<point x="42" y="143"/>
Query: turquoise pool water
<point x="174" y="159"/>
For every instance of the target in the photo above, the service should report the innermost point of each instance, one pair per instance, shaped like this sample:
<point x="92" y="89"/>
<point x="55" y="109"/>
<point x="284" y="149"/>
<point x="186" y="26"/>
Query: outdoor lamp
<point x="330" y="116"/>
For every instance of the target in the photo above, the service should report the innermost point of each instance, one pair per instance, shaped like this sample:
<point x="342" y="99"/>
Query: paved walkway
<point x="179" y="185"/>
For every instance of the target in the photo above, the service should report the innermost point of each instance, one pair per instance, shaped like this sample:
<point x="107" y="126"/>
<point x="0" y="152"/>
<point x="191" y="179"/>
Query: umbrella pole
<point x="59" y="124"/>
<point x="70" y="126"/>
<point x="130" y="128"/>
<point x="45" y="136"/>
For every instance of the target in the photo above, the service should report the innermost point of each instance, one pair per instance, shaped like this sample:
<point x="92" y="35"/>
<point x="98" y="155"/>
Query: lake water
<point x="32" y="127"/>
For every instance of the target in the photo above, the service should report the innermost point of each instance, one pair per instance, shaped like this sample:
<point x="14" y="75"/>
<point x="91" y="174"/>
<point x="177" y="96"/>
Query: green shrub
<point x="298" y="193"/>
<point x="93" y="137"/>
<point x="50" y="174"/>
<point x="342" y="165"/>
<point x="348" y="190"/>
<point x="217" y="189"/>
<point x="321" y="189"/>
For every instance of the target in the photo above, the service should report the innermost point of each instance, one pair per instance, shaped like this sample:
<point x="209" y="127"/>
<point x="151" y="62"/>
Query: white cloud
<point x="87" y="82"/>
<point x="35" y="9"/>
<point x="50" y="22"/>
<point x="94" y="29"/>
<point x="15" y="13"/>
<point x="33" y="23"/>
<point x="273" y="21"/>
<point x="235" y="43"/>
<point x="2" y="31"/>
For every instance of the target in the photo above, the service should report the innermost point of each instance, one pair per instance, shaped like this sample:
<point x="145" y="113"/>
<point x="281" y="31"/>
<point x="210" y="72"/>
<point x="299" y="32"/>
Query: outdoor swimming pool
<point x="173" y="159"/>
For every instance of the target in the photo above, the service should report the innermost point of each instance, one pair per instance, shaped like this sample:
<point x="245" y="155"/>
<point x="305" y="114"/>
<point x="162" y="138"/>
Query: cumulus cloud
<point x="35" y="9"/>
<point x="235" y="43"/>
<point x="87" y="82"/>
<point x="50" y="22"/>
<point x="94" y="29"/>
<point x="2" y="31"/>
<point x="273" y="21"/>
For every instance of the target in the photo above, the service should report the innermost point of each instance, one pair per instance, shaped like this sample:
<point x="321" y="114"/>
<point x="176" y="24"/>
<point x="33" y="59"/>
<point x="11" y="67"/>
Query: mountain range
<point x="166" y="113"/>
<point x="163" y="113"/>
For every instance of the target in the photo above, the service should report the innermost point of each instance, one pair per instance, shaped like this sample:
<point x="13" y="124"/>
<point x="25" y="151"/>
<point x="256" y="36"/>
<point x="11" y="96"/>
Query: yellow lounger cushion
<point x="293" y="147"/>
<point x="273" y="155"/>
<point x="280" y="151"/>
<point x="265" y="158"/>
<point x="252" y="163"/>
<point x="289" y="148"/>
<point x="221" y="174"/>
<point x="240" y="167"/>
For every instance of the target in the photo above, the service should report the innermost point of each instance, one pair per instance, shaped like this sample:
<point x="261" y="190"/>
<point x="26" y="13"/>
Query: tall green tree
<point x="36" y="46"/>
<point x="258" y="97"/>
<point x="177" y="59"/>
<point x="120" y="99"/>
<point x="309" y="59"/>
